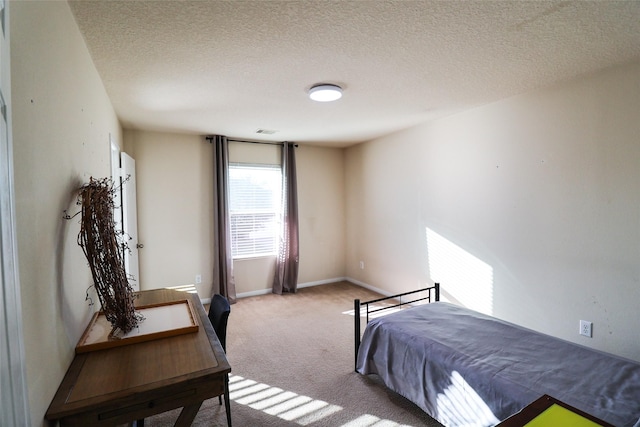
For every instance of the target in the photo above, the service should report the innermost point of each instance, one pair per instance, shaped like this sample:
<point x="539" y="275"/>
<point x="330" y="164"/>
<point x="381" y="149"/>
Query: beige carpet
<point x="292" y="360"/>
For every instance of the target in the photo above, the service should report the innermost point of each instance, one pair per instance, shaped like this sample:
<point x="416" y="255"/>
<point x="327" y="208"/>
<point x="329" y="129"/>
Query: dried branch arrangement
<point x="103" y="250"/>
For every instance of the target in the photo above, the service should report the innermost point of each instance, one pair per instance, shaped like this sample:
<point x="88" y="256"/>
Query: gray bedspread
<point x="468" y="369"/>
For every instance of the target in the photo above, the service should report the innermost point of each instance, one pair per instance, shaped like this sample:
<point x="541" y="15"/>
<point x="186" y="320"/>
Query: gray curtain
<point x="223" y="280"/>
<point x="286" y="274"/>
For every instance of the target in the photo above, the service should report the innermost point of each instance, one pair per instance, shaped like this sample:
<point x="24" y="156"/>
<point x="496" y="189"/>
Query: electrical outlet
<point x="361" y="265"/>
<point x="586" y="328"/>
<point x="198" y="278"/>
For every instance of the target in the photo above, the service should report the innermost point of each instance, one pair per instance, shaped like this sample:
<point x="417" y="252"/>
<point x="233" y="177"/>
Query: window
<point x="255" y="194"/>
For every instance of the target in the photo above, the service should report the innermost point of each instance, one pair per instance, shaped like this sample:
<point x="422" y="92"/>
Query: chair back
<point x="218" y="315"/>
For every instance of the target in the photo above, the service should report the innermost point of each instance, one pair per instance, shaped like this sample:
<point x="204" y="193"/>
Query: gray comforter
<point x="468" y="369"/>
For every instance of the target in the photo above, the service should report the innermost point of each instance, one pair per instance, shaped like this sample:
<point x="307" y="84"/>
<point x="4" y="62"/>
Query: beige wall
<point x="321" y="205"/>
<point x="62" y="120"/>
<point x="542" y="190"/>
<point x="174" y="175"/>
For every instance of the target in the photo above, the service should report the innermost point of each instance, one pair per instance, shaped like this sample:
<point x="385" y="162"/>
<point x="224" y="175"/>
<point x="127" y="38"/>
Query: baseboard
<point x="300" y="285"/>
<point x="322" y="282"/>
<point x="307" y="285"/>
<point x="367" y="286"/>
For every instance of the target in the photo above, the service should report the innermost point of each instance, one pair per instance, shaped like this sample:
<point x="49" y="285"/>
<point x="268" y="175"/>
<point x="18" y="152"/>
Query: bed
<point x="466" y="368"/>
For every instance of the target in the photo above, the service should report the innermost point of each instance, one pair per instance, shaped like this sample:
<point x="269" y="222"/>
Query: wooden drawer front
<point x="128" y="411"/>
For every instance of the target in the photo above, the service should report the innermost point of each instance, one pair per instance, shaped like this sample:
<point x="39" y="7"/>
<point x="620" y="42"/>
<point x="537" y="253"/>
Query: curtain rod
<point x="210" y="138"/>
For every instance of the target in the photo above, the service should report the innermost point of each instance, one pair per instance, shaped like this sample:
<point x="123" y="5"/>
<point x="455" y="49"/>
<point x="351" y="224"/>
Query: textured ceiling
<point x="234" y="67"/>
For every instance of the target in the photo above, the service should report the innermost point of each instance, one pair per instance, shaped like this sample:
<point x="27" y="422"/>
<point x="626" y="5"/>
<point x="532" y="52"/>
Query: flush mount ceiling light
<point x="325" y="92"/>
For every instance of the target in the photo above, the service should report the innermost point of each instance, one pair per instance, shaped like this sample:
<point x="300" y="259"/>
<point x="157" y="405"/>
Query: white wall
<point x="542" y="189"/>
<point x="62" y="119"/>
<point x="174" y="174"/>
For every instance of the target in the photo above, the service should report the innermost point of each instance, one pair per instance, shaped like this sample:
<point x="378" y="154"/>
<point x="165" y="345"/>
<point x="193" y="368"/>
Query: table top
<point x="547" y="411"/>
<point x="142" y="370"/>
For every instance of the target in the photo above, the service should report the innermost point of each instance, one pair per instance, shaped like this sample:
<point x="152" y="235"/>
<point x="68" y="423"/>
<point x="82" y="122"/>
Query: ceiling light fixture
<point x="325" y="92"/>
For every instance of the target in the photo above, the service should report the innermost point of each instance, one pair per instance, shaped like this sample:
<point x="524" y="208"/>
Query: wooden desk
<point x="123" y="384"/>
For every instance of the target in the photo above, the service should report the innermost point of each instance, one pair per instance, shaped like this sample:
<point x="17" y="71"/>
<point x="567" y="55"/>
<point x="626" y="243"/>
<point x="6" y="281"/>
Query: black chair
<point x="218" y="316"/>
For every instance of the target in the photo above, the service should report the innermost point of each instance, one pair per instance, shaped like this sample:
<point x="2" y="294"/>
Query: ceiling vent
<point x="266" y="131"/>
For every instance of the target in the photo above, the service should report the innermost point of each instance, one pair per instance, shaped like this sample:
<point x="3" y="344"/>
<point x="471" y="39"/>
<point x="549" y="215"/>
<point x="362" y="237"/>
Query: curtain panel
<point x="286" y="272"/>
<point x="223" y="279"/>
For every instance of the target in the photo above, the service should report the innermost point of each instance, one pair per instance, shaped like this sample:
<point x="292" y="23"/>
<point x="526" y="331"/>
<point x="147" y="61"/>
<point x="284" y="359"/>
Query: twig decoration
<point x="100" y="245"/>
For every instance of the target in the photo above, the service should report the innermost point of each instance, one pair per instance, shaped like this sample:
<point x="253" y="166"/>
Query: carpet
<point x="292" y="360"/>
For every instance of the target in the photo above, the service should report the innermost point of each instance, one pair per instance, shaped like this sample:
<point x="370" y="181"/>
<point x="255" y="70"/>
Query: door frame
<point x="14" y="405"/>
<point x="124" y="205"/>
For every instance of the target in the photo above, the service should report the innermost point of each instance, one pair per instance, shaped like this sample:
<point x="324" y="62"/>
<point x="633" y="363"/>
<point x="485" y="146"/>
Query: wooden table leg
<point x="187" y="415"/>
<point x="227" y="403"/>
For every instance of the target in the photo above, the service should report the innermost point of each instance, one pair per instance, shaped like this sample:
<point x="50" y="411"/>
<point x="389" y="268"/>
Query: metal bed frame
<point x="433" y="295"/>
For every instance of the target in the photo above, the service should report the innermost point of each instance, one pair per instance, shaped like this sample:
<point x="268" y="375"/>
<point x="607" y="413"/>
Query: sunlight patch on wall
<point x="460" y="405"/>
<point x="289" y="406"/>
<point x="465" y="278"/>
